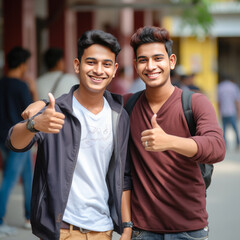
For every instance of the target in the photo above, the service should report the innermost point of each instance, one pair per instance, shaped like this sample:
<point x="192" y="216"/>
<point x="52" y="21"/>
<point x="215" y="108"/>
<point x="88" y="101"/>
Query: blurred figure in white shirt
<point x="55" y="80"/>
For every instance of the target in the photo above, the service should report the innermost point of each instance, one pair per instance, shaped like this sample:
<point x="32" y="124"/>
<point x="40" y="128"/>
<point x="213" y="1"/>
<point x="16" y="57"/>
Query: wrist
<point x="127" y="232"/>
<point x="45" y="101"/>
<point x="31" y="125"/>
<point x="127" y="225"/>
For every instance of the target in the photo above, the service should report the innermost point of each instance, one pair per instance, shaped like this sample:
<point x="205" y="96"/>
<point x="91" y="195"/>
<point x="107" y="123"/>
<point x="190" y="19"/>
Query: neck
<point x="91" y="101"/>
<point x="15" y="73"/>
<point x="55" y="69"/>
<point x="156" y="97"/>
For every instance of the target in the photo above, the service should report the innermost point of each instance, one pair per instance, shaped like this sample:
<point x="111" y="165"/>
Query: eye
<point x="158" y="59"/>
<point x="142" y="60"/>
<point x="90" y="62"/>
<point x="107" y="64"/>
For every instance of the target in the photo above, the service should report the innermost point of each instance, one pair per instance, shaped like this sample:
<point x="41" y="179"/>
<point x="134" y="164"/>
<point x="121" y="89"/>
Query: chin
<point x="155" y="84"/>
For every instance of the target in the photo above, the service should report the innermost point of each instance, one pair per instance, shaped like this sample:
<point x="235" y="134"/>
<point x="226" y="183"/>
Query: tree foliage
<point x="197" y="16"/>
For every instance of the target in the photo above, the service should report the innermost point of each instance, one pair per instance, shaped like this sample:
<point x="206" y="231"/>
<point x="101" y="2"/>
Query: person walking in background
<point x="229" y="106"/>
<point x="15" y="96"/>
<point x="55" y="80"/>
<point x="168" y="196"/>
<point x="82" y="182"/>
<point x="187" y="82"/>
<point x="32" y="85"/>
<point x="137" y="85"/>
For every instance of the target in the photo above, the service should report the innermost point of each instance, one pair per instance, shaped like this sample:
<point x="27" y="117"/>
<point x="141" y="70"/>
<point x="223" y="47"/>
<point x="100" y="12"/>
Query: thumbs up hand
<point x="51" y="104"/>
<point x="49" y="121"/>
<point x="155" y="139"/>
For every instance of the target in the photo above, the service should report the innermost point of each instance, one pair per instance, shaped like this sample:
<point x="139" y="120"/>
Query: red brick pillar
<point x="19" y="29"/>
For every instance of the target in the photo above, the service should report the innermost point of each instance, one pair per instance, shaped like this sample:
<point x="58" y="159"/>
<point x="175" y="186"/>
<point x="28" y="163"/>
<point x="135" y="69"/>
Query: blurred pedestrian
<point x="119" y="84"/>
<point x="32" y="85"/>
<point x="15" y="96"/>
<point x="55" y="80"/>
<point x="187" y="82"/>
<point x="229" y="106"/>
<point x="137" y="85"/>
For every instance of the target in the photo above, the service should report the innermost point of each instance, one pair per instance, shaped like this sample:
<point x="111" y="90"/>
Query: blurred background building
<point x="206" y="33"/>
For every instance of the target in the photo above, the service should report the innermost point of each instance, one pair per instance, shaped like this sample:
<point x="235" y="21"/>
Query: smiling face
<point x="97" y="68"/>
<point x="153" y="64"/>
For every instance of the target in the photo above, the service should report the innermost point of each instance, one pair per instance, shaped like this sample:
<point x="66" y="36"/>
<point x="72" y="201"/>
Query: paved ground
<point x="223" y="202"/>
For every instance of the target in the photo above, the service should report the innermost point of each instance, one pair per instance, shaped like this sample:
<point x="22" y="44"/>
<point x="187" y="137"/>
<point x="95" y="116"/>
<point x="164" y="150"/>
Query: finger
<point x="154" y="121"/>
<point x="53" y="130"/>
<point x="146" y="133"/>
<point x="57" y="121"/>
<point x="24" y="115"/>
<point x="55" y="126"/>
<point x="146" y="144"/>
<point x="145" y="138"/>
<point x="51" y="101"/>
<point x="59" y="115"/>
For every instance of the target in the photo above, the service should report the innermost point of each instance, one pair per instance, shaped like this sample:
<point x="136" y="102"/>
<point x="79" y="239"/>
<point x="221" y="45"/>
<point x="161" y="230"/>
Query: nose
<point x="98" y="69"/>
<point x="150" y="65"/>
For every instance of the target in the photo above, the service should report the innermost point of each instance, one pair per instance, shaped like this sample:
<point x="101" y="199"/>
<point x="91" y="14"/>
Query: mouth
<point x="96" y="79"/>
<point x="152" y="76"/>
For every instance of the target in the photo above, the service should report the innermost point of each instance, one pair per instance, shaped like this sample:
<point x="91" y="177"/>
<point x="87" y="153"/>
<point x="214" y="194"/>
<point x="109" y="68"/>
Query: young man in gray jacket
<point x="81" y="187"/>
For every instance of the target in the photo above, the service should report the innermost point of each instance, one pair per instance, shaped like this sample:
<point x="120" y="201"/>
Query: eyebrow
<point x="105" y="60"/>
<point x="155" y="55"/>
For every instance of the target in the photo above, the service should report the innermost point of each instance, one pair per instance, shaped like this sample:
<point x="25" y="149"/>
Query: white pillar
<point x="70" y="34"/>
<point x="126" y="28"/>
<point x="148" y="18"/>
<point x="29" y="35"/>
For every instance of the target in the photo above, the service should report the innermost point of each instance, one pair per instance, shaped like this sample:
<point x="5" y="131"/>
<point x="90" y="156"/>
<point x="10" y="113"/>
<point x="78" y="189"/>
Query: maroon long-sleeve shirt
<point x="168" y="189"/>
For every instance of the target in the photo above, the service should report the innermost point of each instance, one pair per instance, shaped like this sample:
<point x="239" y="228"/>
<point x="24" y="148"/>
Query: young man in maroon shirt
<point x="168" y="197"/>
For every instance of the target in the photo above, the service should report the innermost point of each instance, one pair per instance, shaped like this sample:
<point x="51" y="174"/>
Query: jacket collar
<point x="65" y="101"/>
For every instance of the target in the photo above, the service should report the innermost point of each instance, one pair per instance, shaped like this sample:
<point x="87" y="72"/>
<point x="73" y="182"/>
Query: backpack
<point x="206" y="169"/>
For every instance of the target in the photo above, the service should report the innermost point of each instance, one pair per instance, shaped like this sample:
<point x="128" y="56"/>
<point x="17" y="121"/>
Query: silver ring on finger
<point x="146" y="143"/>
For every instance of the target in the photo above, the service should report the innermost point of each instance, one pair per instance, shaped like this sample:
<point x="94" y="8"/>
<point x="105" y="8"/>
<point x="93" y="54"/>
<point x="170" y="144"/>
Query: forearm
<point x="126" y="207"/>
<point x="185" y="146"/>
<point x="126" y="213"/>
<point x="20" y="136"/>
<point x="33" y="109"/>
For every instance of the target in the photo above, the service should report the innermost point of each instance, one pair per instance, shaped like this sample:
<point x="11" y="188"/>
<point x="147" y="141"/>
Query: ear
<point x="173" y="60"/>
<point x="76" y="65"/>
<point x="135" y="64"/>
<point x="115" y="69"/>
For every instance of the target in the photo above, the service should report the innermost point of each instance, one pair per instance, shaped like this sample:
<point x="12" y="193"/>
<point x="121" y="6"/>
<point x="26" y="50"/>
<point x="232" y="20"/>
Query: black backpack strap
<point x="132" y="101"/>
<point x="56" y="83"/>
<point x="187" y="110"/>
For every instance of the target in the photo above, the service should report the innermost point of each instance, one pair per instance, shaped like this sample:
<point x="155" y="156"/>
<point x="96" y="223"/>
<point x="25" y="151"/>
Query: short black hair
<point x="52" y="56"/>
<point x="98" y="37"/>
<point x="150" y="35"/>
<point x="17" y="56"/>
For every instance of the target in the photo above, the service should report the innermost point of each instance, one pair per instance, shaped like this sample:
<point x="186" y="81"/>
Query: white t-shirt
<point x="46" y="82"/>
<point x="87" y="205"/>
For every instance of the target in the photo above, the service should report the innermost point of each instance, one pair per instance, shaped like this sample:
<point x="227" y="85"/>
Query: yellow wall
<point x="200" y="56"/>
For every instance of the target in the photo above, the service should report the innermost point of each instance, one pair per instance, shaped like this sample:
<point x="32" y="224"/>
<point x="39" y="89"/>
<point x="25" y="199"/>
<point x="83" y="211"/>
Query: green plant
<point x="197" y="16"/>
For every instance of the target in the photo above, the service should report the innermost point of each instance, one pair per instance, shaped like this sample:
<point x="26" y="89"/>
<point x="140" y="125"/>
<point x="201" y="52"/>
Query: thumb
<point x="154" y="121"/>
<point x="51" y="101"/>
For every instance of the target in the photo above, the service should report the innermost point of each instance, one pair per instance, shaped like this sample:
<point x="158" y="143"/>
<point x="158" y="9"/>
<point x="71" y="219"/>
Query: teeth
<point x="153" y="75"/>
<point x="97" y="79"/>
